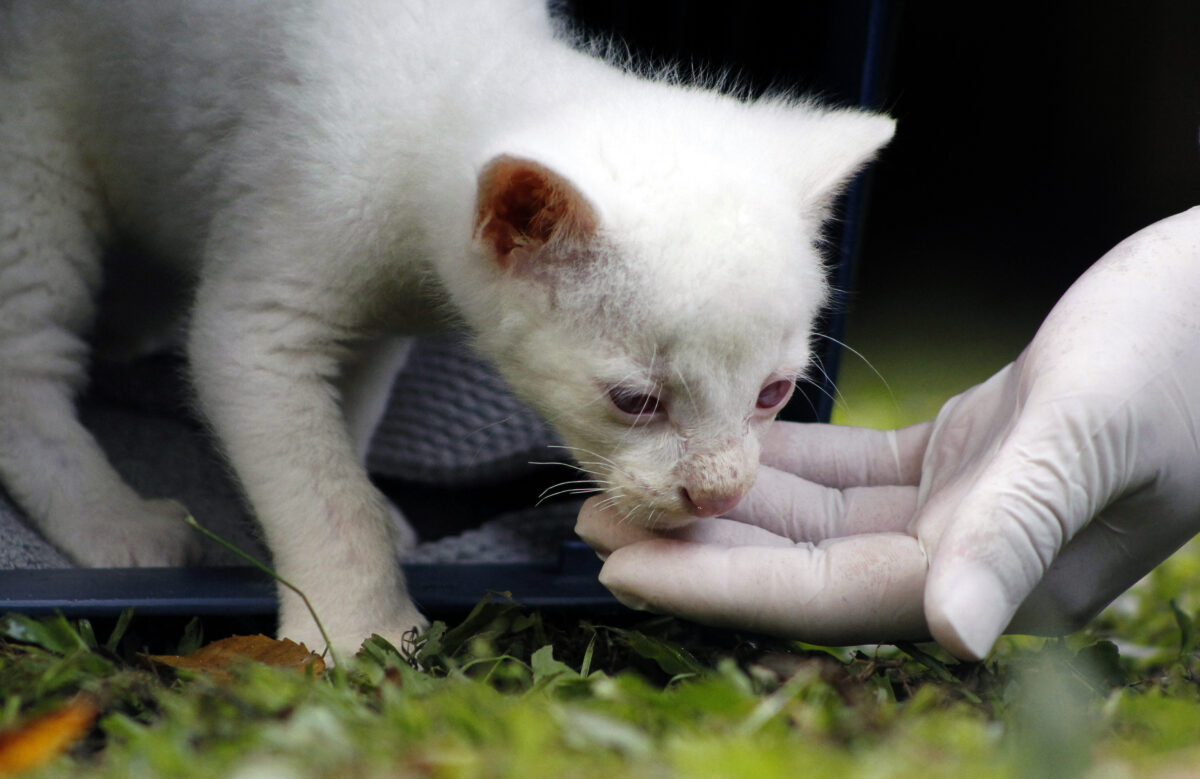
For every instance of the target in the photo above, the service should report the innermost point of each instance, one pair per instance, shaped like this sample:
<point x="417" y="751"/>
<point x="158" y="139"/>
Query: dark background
<point x="1032" y="136"/>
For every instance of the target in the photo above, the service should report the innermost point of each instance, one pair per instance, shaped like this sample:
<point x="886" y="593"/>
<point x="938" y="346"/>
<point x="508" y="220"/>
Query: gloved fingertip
<point x="586" y="529"/>
<point x="618" y="587"/>
<point x="967" y="610"/>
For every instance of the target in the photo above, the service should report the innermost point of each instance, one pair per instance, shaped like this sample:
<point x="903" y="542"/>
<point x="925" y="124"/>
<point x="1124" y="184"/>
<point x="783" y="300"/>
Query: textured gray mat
<point x="451" y="422"/>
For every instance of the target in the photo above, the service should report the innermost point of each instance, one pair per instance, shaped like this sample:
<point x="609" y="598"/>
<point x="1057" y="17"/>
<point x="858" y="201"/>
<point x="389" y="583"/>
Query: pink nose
<point x="703" y="504"/>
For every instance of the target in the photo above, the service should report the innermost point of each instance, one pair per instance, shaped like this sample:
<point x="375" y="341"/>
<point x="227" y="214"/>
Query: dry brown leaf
<point x="220" y="657"/>
<point x="44" y="738"/>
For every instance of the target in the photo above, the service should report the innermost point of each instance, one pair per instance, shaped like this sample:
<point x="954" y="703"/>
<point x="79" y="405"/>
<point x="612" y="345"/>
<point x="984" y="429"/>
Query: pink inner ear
<point x="524" y="206"/>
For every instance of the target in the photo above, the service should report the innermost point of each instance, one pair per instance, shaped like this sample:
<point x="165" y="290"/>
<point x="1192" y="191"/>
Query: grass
<point x="510" y="692"/>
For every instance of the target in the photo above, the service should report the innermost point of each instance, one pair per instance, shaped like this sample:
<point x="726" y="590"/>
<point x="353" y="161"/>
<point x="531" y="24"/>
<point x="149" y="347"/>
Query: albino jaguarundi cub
<point x="317" y="180"/>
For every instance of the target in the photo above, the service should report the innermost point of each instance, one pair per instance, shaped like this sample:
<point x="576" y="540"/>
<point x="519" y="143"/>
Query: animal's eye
<point x="634" y="403"/>
<point x="774" y="394"/>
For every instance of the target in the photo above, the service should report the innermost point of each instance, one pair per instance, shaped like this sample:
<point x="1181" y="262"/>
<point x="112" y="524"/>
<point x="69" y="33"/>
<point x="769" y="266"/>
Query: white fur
<point x="306" y="174"/>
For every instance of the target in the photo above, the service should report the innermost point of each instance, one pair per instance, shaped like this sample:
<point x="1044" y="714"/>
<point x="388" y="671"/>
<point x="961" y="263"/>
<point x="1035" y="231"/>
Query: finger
<point x="994" y="530"/>
<point x="603" y="529"/>
<point x="782" y="508"/>
<point x="866" y="589"/>
<point x="840" y="456"/>
<point x="786" y="505"/>
<point x="1112" y="552"/>
<point x="1089" y="573"/>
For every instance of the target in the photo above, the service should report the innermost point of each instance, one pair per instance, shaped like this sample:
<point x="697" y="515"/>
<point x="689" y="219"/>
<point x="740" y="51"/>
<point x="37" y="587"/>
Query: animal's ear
<point x="523" y="206"/>
<point x="840" y="143"/>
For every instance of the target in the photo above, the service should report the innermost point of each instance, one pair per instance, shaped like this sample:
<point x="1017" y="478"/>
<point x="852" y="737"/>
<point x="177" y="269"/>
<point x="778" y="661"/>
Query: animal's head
<point x="655" y="303"/>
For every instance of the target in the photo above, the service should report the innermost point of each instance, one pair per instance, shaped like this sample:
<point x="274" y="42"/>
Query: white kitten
<point x="637" y="258"/>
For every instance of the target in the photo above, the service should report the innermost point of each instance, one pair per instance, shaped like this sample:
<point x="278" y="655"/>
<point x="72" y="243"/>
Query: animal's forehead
<point x="698" y="202"/>
<point x="697" y="307"/>
<point x="743" y="348"/>
<point x="715" y="276"/>
<point x="738" y="346"/>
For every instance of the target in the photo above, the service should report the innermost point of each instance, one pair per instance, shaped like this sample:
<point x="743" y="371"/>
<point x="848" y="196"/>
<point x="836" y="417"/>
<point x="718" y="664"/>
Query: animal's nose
<point x="706" y="504"/>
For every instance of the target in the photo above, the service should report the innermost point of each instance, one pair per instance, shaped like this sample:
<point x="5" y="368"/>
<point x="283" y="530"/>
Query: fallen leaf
<point x="45" y="737"/>
<point x="220" y="657"/>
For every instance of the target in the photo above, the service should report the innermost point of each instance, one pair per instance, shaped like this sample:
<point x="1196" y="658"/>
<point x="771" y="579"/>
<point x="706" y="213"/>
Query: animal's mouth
<point x="669" y="506"/>
<point x="709" y="505"/>
<point x="649" y="513"/>
<point x="676" y="508"/>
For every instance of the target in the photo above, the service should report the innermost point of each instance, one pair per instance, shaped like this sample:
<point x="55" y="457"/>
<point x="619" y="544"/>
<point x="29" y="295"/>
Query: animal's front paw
<point x="133" y="534"/>
<point x="347" y="635"/>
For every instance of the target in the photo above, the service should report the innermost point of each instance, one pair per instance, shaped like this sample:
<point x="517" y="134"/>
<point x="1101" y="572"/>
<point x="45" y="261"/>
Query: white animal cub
<point x="317" y="178"/>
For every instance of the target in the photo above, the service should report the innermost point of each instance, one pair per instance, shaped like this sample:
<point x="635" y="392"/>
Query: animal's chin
<point x="653" y="517"/>
<point x="668" y="521"/>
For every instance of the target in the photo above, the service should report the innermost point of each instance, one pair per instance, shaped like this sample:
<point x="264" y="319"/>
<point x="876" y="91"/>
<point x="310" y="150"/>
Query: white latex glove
<point x="1031" y="501"/>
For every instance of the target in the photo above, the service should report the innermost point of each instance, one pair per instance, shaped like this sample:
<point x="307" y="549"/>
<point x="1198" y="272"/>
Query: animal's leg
<point x="50" y="230"/>
<point x="266" y="353"/>
<point x="365" y="387"/>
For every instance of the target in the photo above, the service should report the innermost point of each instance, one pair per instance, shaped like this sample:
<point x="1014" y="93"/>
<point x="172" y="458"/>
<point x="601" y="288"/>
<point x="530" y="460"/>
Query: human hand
<point x="1027" y="505"/>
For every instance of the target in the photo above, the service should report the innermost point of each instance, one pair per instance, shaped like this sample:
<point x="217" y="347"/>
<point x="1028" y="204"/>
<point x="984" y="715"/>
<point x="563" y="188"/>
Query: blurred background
<point x="1032" y="137"/>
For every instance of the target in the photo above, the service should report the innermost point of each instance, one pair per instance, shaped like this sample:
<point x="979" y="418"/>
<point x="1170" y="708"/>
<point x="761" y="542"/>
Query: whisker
<point x="602" y="395"/>
<point x="559" y="494"/>
<point x="811" y="406"/>
<point x="549" y="462"/>
<point x="483" y="441"/>
<point x="611" y="500"/>
<point x="585" y="451"/>
<point x="495" y="423"/>
<point x="616" y="468"/>
<point x="686" y="388"/>
<point x="592" y="462"/>
<point x="655" y="389"/>
<point x="596" y="476"/>
<point x="593" y="486"/>
<point x="595" y="473"/>
<point x="862" y="357"/>
<point x="836" y="399"/>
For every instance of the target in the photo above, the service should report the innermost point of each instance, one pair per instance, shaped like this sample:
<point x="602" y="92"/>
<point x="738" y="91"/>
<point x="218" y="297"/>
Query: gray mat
<point x="451" y="422"/>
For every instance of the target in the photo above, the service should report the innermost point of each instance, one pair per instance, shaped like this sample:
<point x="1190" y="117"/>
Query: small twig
<point x="267" y="570"/>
